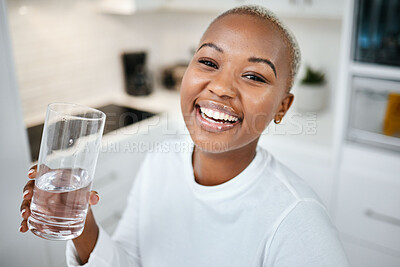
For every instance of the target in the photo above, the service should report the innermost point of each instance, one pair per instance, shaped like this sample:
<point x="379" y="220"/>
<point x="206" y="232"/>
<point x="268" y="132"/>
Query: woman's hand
<point x="84" y="243"/>
<point x="27" y="197"/>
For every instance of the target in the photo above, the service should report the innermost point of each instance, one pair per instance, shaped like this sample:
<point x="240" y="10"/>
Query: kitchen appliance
<point x="172" y="76"/>
<point x="377" y="32"/>
<point x="375" y="112"/>
<point x="374" y="74"/>
<point x="138" y="80"/>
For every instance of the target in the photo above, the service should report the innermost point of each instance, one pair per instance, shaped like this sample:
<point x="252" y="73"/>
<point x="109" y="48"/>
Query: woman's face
<point x="235" y="84"/>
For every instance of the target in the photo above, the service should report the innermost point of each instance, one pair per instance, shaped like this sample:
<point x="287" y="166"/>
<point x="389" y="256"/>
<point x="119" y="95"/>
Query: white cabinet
<point x="368" y="201"/>
<point x="289" y="8"/>
<point x="201" y="5"/>
<point x="304" y="8"/>
<point x="367" y="189"/>
<point x="117" y="166"/>
<point x="361" y="256"/>
<point x="128" y="7"/>
<point x="323" y="8"/>
<point x="115" y="174"/>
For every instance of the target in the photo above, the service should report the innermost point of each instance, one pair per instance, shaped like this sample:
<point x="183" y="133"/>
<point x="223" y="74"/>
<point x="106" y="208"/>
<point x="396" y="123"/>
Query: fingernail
<point x="26" y="192"/>
<point x="22" y="212"/>
<point x="30" y="172"/>
<point x="20" y="229"/>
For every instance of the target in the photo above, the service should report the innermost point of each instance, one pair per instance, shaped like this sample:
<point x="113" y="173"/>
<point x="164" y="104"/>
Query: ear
<point x="283" y="107"/>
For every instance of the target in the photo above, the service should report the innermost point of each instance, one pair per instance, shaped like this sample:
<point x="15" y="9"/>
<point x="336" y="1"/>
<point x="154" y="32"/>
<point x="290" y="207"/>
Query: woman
<point x="227" y="202"/>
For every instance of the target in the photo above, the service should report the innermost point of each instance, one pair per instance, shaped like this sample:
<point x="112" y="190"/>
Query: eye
<point x="254" y="77"/>
<point x="208" y="63"/>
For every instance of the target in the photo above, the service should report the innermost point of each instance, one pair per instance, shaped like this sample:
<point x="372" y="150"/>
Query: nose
<point x="222" y="84"/>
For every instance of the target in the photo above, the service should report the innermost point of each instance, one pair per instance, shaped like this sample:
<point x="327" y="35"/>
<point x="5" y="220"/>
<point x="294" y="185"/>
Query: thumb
<point x="94" y="198"/>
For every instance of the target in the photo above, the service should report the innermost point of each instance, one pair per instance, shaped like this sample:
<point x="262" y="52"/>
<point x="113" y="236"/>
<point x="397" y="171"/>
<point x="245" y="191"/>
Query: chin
<point x="211" y="146"/>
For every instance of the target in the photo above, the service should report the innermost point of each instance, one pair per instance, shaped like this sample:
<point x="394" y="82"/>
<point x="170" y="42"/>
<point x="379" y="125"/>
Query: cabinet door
<point x="117" y="167"/>
<point x="323" y="8"/>
<point x="128" y="7"/>
<point x="361" y="256"/>
<point x="303" y="8"/>
<point x="115" y="175"/>
<point x="280" y="7"/>
<point x="202" y="5"/>
<point x="369" y="209"/>
<point x="368" y="202"/>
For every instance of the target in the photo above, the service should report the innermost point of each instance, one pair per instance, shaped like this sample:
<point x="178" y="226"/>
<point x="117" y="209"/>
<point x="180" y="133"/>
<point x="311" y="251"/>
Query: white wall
<point x="66" y="51"/>
<point x="319" y="42"/>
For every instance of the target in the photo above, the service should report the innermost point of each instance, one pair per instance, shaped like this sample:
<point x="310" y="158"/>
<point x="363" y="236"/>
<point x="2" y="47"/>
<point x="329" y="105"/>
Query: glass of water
<point x="69" y="149"/>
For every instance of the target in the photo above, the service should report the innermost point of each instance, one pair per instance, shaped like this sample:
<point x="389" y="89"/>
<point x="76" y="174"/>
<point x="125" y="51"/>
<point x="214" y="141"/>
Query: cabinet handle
<point x="382" y="217"/>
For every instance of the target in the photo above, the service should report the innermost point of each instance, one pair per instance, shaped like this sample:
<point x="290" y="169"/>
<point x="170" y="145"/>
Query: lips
<point x="216" y="117"/>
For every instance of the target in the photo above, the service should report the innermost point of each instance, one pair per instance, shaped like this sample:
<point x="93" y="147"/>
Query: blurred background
<point x="127" y="58"/>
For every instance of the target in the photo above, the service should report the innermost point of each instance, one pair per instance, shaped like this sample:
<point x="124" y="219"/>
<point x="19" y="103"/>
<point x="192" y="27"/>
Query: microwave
<point x="377" y="32"/>
<point x="375" y="112"/>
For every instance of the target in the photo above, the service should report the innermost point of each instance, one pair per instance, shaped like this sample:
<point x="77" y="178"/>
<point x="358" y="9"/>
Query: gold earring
<point x="277" y="121"/>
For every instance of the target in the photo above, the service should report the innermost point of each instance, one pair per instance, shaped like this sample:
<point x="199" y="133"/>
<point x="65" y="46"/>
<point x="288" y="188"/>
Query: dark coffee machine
<point x="137" y="79"/>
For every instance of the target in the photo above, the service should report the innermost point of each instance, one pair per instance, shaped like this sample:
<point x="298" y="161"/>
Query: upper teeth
<point x="217" y="115"/>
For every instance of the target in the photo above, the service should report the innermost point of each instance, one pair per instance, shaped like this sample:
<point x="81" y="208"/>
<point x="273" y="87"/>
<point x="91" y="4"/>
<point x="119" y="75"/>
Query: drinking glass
<point x="69" y="149"/>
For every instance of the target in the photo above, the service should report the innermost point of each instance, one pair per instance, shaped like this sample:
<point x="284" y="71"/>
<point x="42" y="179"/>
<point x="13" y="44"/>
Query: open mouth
<point x="217" y="116"/>
<point x="214" y="120"/>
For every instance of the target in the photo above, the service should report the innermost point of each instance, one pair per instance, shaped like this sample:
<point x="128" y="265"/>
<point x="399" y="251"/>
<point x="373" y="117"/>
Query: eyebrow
<point x="265" y="61"/>
<point x="219" y="49"/>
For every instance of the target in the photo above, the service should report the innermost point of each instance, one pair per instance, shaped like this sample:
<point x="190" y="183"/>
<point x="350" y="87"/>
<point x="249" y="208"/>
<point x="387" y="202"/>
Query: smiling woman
<point x="226" y="202"/>
<point x="231" y="76"/>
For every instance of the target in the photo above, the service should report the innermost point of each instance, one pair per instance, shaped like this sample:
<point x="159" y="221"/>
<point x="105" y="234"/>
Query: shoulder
<point x="303" y="233"/>
<point x="305" y="237"/>
<point x="288" y="182"/>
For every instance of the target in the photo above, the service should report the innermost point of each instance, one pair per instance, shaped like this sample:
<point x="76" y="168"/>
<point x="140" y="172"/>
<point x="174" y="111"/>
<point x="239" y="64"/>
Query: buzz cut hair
<point x="289" y="39"/>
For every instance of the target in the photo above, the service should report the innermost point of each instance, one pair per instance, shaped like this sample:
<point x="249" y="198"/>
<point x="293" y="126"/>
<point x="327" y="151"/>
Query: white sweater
<point x="265" y="216"/>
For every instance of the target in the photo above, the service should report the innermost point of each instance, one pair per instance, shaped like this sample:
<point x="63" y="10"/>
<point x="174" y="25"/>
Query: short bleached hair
<point x="266" y="14"/>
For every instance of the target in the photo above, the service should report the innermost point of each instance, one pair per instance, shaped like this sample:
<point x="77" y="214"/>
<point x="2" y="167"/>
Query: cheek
<point x="191" y="86"/>
<point x="192" y="81"/>
<point x="259" y="111"/>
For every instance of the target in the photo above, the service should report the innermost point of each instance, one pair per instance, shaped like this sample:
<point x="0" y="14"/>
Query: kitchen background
<point x="71" y="51"/>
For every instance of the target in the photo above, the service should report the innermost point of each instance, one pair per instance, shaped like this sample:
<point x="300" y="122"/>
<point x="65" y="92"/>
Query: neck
<point x="217" y="168"/>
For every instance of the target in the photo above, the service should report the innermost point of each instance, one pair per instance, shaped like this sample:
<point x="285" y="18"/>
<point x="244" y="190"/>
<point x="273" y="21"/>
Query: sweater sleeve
<point x="306" y="237"/>
<point x="123" y="248"/>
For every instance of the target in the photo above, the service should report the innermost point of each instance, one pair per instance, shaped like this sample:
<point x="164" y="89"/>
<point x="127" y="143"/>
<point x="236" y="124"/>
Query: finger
<point x="28" y="190"/>
<point x="24" y="226"/>
<point x="94" y="198"/>
<point x="26" y="204"/>
<point x="25" y="213"/>
<point x="32" y="172"/>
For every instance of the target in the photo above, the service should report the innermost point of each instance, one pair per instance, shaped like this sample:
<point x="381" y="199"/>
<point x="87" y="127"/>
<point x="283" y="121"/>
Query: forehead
<point x="244" y="29"/>
<point x="248" y="35"/>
